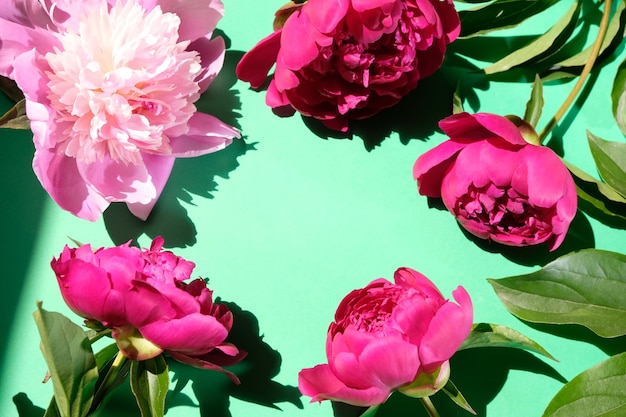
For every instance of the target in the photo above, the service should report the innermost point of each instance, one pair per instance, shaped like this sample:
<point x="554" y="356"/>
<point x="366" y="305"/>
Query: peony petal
<point x="501" y="127"/>
<point x="326" y="15"/>
<point x="193" y="334"/>
<point x="256" y="63"/>
<point x="480" y="126"/>
<point x="410" y="277"/>
<point x="296" y="55"/>
<point x="393" y="361"/>
<point x="18" y="39"/>
<point x="320" y="383"/>
<point x="198" y="18"/>
<point x="430" y="167"/>
<point x="159" y="167"/>
<point x="61" y="178"/>
<point x="117" y="181"/>
<point x="447" y="330"/>
<point x="212" y="53"/>
<point x="206" y="134"/>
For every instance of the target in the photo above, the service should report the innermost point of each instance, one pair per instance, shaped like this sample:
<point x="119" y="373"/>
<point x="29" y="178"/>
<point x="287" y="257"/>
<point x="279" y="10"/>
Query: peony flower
<point x="339" y="60"/>
<point x="142" y="296"/>
<point x="390" y="337"/>
<point x="110" y="88"/>
<point x="498" y="185"/>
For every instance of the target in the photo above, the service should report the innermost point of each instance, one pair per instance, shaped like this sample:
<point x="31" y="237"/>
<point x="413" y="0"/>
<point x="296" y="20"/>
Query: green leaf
<point x="585" y="288"/>
<point x="618" y="97"/>
<point x="457" y="100"/>
<point x="70" y="361"/>
<point x="614" y="35"/>
<point x="149" y="381"/>
<point x="541" y="47"/>
<point x="500" y="14"/>
<point x="599" y="391"/>
<point x="610" y="158"/>
<point x="16" y="117"/>
<point x="535" y="103"/>
<point x="106" y="355"/>
<point x="455" y="395"/>
<point x="495" y="335"/>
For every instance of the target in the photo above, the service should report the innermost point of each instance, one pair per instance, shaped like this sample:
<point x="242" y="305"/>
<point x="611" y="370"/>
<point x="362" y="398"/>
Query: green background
<point x="287" y="221"/>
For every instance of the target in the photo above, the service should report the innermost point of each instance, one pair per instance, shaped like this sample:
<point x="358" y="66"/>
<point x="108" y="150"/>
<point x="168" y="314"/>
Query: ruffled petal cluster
<point x="390" y="337"/>
<point x="143" y="296"/>
<point x="342" y="60"/>
<point x="110" y="88"/>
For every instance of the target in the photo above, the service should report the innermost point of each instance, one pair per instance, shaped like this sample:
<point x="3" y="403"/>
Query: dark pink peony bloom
<point x="497" y="185"/>
<point x="110" y="88"/>
<point x="338" y="60"/>
<point x="141" y="295"/>
<point x="389" y="337"/>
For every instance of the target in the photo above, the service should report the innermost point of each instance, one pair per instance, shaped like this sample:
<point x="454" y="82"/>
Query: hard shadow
<point x="20" y="219"/>
<point x="25" y="407"/>
<point x="610" y="346"/>
<point x="213" y="390"/>
<point x="190" y="176"/>
<point x="478" y="373"/>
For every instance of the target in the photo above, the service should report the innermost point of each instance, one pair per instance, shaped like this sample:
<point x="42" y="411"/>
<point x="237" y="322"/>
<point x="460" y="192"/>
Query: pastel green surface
<point x="284" y="223"/>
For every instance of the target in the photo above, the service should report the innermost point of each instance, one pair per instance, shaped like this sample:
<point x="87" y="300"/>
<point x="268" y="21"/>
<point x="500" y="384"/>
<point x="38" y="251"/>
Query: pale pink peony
<point x="143" y="297"/>
<point x="339" y="60"/>
<point x="497" y="185"/>
<point x="110" y="88"/>
<point x="390" y="337"/>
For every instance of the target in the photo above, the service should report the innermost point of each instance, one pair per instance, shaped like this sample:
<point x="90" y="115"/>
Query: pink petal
<point x="412" y="278"/>
<point x="198" y="18"/>
<point x="448" y="329"/>
<point x="256" y="63"/>
<point x="117" y="181"/>
<point x="212" y="53"/>
<point x="297" y="54"/>
<point x="474" y="127"/>
<point x="206" y="134"/>
<point x="320" y="383"/>
<point x="430" y="167"/>
<point x="159" y="167"/>
<point x="449" y="18"/>
<point x="60" y="177"/>
<point x="18" y="39"/>
<point x="193" y="334"/>
<point x="326" y="15"/>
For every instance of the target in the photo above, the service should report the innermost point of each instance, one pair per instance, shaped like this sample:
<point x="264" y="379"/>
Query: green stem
<point x="106" y="382"/>
<point x="595" y="51"/>
<point x="429" y="406"/>
<point x="99" y="335"/>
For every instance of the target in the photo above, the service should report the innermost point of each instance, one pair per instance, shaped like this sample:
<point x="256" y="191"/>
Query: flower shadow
<point x="580" y="236"/>
<point x="479" y="374"/>
<point x="190" y="176"/>
<point x="256" y="372"/>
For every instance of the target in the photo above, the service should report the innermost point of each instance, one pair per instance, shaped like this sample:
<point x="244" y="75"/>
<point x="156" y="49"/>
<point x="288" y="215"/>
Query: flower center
<point x="372" y="312"/>
<point x="122" y="83"/>
<point x="505" y="211"/>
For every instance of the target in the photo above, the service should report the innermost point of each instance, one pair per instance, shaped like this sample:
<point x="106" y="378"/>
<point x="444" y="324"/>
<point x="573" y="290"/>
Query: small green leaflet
<point x="585" y="288"/>
<point x="71" y="363"/>
<point x="610" y="158"/>
<point x="500" y="14"/>
<point x="488" y="335"/>
<point x="599" y="391"/>
<point x="149" y="381"/>
<point x="534" y="105"/>
<point x="16" y="118"/>
<point x="543" y="46"/>
<point x="618" y="97"/>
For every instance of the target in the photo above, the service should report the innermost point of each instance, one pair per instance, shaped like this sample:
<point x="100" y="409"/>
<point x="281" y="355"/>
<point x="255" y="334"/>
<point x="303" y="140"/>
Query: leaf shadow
<point x="610" y="346"/>
<point x="25" y="407"/>
<point x="190" y="176"/>
<point x="256" y="372"/>
<point x="479" y="374"/>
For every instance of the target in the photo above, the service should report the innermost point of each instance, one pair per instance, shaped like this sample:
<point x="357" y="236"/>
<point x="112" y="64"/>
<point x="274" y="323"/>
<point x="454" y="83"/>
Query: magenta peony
<point x="141" y="295"/>
<point x="497" y="185"/>
<point x="390" y="337"/>
<point x="338" y="60"/>
<point x="110" y="88"/>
